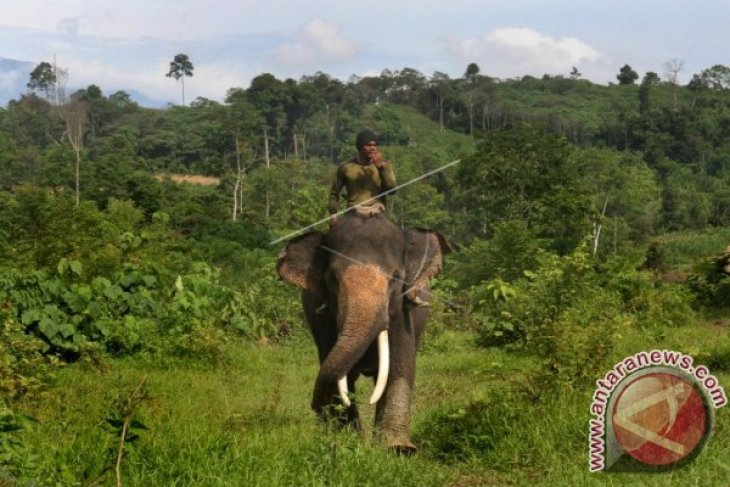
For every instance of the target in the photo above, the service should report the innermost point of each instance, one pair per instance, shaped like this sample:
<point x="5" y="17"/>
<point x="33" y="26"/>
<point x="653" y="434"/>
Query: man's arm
<point x="335" y="191"/>
<point x="385" y="169"/>
<point x="387" y="177"/>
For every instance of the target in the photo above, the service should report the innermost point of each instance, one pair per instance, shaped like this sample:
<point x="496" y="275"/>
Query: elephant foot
<point x="405" y="448"/>
<point x="339" y="415"/>
<point x="400" y="444"/>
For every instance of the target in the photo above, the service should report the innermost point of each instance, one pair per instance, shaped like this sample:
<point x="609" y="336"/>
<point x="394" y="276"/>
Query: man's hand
<point x="333" y="220"/>
<point x="377" y="159"/>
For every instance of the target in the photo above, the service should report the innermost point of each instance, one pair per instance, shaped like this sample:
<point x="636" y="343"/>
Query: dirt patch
<point x="675" y="277"/>
<point x="191" y="179"/>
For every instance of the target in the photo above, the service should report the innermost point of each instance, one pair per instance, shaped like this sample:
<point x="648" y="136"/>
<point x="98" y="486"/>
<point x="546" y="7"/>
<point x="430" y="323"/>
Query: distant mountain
<point x="14" y="76"/>
<point x="143" y="100"/>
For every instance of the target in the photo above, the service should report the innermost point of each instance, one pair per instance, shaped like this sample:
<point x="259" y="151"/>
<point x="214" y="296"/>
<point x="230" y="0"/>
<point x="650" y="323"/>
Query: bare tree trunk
<point x="597" y="228"/>
<point x="235" y="199"/>
<point x="74" y="114"/>
<point x="240" y="199"/>
<point x="673" y="67"/>
<point x="238" y="180"/>
<point x="78" y="177"/>
<point x="486" y="126"/>
<point x="441" y="113"/>
<point x="268" y="164"/>
<point x="470" y="110"/>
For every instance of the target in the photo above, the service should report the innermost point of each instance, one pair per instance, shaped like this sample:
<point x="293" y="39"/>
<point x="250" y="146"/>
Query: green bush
<point x="23" y="366"/>
<point x="512" y="250"/>
<point x="13" y="454"/>
<point x="710" y="282"/>
<point x="559" y="313"/>
<point x="717" y="359"/>
<point x="140" y="307"/>
<point x="652" y="302"/>
<point x="468" y="432"/>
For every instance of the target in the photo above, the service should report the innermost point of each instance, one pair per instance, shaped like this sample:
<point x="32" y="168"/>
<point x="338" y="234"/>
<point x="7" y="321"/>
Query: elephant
<point x="362" y="269"/>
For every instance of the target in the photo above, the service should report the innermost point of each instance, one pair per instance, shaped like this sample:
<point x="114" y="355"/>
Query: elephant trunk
<point x="362" y="310"/>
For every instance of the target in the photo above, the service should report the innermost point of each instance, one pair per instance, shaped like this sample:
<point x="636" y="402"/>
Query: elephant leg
<point x="393" y="414"/>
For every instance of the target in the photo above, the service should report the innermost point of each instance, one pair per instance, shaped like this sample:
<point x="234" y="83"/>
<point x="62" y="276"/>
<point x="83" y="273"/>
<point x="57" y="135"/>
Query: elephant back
<point x="367" y="239"/>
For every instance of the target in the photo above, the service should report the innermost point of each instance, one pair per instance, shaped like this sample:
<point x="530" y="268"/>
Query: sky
<point x="128" y="45"/>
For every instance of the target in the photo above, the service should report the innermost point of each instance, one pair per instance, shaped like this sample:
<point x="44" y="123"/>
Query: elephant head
<point x="363" y="270"/>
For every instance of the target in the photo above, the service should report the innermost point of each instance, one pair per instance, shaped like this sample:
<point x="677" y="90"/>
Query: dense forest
<point x="579" y="214"/>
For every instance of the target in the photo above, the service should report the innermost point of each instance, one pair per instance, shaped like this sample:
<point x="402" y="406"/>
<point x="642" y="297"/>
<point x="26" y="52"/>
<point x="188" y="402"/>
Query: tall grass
<point x="244" y="419"/>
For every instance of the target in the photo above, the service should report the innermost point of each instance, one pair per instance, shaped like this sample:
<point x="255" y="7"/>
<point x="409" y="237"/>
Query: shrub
<point x="559" y="313"/>
<point x="467" y="432"/>
<point x="512" y="250"/>
<point x="13" y="456"/>
<point x="710" y="281"/>
<point x="652" y="302"/>
<point x="23" y="366"/>
<point x="140" y="307"/>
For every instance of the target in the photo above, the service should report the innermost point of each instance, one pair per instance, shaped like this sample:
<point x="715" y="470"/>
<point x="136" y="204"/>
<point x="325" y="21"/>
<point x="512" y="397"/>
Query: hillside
<point x="148" y="333"/>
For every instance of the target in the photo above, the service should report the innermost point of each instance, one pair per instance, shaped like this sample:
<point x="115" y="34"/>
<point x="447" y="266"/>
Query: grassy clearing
<point x="682" y="249"/>
<point x="245" y="420"/>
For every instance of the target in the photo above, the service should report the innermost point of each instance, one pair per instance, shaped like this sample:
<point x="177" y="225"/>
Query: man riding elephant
<point x="364" y="178"/>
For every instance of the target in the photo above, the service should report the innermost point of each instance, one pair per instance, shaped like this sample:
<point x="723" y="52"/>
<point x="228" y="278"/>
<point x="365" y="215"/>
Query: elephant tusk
<point x="383" y="366"/>
<point x="342" y="387"/>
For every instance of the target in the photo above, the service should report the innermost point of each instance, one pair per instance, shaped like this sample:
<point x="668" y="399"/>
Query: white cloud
<point x="511" y="51"/>
<point x="318" y="41"/>
<point x="68" y="26"/>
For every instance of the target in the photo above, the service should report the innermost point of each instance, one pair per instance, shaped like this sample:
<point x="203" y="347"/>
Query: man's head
<point x="364" y="137"/>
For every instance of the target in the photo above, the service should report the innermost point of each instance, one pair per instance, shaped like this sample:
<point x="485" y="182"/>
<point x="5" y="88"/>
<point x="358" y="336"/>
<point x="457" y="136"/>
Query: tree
<point x="715" y="78"/>
<point x="43" y="79"/>
<point x="524" y="174"/>
<point x="575" y="74"/>
<point x="626" y="75"/>
<point x="672" y="69"/>
<point x="441" y="87"/>
<point x="99" y="108"/>
<point x="181" y="67"/>
<point x="472" y="71"/>
<point x="121" y="99"/>
<point x="651" y="78"/>
<point x="624" y="191"/>
<point x="306" y="100"/>
<point x="242" y="120"/>
<point x="74" y="115"/>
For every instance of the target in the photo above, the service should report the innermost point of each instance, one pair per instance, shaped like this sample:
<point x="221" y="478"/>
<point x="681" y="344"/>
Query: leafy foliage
<point x="468" y="432"/>
<point x="570" y="312"/>
<point x="137" y="308"/>
<point x="523" y="174"/>
<point x="23" y="366"/>
<point x="711" y="281"/>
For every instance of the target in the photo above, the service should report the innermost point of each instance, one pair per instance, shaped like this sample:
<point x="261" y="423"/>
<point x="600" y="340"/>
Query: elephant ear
<point x="302" y="263"/>
<point x="423" y="257"/>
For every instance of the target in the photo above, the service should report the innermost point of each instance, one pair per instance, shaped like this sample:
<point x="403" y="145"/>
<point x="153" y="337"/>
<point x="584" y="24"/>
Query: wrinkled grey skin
<point x="345" y="333"/>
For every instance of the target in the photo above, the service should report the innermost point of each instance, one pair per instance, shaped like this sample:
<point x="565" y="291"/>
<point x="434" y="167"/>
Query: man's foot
<point x="322" y="309"/>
